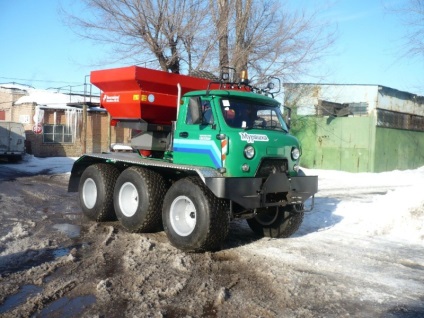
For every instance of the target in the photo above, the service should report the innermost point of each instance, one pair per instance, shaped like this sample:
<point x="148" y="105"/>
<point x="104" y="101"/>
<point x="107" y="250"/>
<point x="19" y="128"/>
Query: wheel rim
<point x="128" y="199"/>
<point x="89" y="193"/>
<point x="268" y="217"/>
<point x="183" y="216"/>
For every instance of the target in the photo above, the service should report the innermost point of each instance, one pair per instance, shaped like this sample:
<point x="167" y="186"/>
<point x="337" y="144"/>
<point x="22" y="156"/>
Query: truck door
<point x="195" y="140"/>
<point x="4" y="137"/>
<point x="17" y="138"/>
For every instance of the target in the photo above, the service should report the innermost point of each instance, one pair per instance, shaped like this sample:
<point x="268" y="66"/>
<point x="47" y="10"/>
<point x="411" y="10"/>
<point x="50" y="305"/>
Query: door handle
<point x="184" y="134"/>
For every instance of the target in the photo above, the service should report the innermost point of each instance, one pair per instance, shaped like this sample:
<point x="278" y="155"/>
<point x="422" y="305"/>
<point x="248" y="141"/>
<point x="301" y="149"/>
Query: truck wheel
<point x="194" y="219"/>
<point x="96" y="192"/>
<point x="276" y="222"/>
<point x="138" y="199"/>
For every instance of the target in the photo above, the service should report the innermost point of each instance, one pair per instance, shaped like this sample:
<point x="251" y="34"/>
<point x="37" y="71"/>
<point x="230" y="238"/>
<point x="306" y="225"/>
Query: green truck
<point x="204" y="153"/>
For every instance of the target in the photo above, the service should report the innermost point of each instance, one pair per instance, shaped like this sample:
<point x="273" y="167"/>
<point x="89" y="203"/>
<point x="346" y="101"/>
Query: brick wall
<point x="96" y="137"/>
<point x="7" y="97"/>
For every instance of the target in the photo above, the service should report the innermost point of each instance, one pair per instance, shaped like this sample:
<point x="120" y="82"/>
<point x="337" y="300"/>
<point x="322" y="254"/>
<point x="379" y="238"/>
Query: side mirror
<point x="195" y="109"/>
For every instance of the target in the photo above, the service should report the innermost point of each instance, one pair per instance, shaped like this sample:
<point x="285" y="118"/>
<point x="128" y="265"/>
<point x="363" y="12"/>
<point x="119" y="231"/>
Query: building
<point x="357" y="128"/>
<point x="59" y="124"/>
<point x="9" y="94"/>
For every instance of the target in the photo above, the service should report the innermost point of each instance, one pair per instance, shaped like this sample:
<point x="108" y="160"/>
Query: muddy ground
<point x="56" y="263"/>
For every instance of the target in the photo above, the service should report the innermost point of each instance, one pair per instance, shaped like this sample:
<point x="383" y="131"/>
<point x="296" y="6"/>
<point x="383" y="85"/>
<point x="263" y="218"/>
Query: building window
<point x="391" y="119"/>
<point x="57" y="134"/>
<point x="326" y="108"/>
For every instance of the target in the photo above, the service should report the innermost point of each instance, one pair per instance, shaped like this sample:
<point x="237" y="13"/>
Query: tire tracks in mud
<point x="143" y="273"/>
<point x="125" y="274"/>
<point x="106" y="271"/>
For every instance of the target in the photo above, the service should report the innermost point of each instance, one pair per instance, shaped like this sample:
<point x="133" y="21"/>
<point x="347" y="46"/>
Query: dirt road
<point x="56" y="263"/>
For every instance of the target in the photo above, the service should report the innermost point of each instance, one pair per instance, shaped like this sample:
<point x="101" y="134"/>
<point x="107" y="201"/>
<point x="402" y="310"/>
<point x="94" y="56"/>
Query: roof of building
<point x="50" y="98"/>
<point x="382" y="88"/>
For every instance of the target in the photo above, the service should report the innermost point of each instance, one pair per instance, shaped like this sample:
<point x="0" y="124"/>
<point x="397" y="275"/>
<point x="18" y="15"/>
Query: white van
<point x="12" y="141"/>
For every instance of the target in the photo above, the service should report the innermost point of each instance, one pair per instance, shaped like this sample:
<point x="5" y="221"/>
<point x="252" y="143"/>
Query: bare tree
<point x="186" y="35"/>
<point x="221" y="26"/>
<point x="267" y="38"/>
<point x="412" y="14"/>
<point x="141" y="28"/>
<point x="243" y="43"/>
<point x="282" y="42"/>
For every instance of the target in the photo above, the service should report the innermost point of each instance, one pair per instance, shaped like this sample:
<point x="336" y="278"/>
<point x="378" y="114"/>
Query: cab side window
<point x="207" y="114"/>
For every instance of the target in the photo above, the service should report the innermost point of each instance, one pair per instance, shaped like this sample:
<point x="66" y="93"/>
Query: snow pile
<point x="399" y="213"/>
<point x="52" y="165"/>
<point x="19" y="231"/>
<point x="388" y="204"/>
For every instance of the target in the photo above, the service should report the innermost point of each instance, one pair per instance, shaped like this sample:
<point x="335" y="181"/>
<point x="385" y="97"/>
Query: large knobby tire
<point x="96" y="192"/>
<point x="194" y="219"/>
<point x="138" y="199"/>
<point x="276" y="222"/>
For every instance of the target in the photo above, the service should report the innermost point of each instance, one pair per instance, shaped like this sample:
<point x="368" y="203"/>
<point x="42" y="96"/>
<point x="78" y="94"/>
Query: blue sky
<point x="40" y="50"/>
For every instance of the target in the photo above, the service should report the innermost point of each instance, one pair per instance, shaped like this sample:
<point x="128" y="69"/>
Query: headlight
<point x="249" y="152"/>
<point x="295" y="153"/>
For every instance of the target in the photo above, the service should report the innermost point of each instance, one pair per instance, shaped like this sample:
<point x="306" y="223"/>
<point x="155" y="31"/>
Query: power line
<point x="34" y="80"/>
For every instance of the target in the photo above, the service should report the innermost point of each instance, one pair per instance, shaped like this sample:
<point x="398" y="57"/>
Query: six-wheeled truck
<point x="204" y="153"/>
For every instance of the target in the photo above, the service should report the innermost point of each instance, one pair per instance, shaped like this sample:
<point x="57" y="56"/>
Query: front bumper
<point x="276" y="190"/>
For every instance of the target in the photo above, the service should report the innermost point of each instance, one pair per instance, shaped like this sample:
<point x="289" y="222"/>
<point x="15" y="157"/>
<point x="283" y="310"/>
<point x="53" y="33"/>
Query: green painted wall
<point x="398" y="149"/>
<point x="355" y="144"/>
<point x="305" y="130"/>
<point x="337" y="143"/>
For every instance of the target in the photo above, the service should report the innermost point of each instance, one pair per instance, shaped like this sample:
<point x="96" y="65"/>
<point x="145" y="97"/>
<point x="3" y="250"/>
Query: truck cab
<point x="236" y="132"/>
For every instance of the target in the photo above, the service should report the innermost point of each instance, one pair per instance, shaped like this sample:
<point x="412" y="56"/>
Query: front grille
<point x="269" y="166"/>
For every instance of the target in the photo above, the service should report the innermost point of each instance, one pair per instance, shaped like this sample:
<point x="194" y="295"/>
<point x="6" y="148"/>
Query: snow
<point x="120" y="147"/>
<point x="50" y="98"/>
<point x="387" y="204"/>
<point x="44" y="97"/>
<point x="54" y="165"/>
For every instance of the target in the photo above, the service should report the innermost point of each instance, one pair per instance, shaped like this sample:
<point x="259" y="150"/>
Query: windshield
<point x="248" y="114"/>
